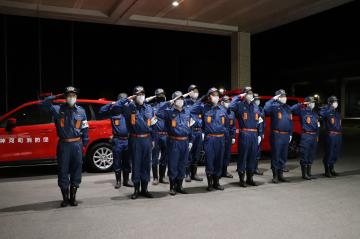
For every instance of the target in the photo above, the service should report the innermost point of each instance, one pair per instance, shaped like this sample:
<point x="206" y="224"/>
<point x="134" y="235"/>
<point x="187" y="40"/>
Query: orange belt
<point x="309" y="132"/>
<point x="249" y="130"/>
<point x="215" y="135"/>
<point x="140" y="135"/>
<point x="280" y="132"/>
<point x="70" y="140"/>
<point x="334" y="132"/>
<point x="161" y="132"/>
<point x="179" y="138"/>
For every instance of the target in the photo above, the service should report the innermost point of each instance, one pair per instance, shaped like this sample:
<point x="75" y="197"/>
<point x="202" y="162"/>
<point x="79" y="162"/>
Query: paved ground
<point x="322" y="208"/>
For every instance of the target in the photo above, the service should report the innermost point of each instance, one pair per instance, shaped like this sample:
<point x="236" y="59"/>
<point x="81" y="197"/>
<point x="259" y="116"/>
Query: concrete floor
<point x="321" y="208"/>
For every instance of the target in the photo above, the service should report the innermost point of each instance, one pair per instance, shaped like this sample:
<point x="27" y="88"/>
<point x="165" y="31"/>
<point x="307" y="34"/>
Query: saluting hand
<point x="276" y="97"/>
<point x="132" y="97"/>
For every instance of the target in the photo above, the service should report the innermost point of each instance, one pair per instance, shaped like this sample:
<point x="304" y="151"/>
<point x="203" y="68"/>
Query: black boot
<point x="127" y="182"/>
<point x="225" y="173"/>
<point x="281" y="176"/>
<point x="118" y="180"/>
<point x="327" y="171"/>
<point x="217" y="185"/>
<point x="194" y="175"/>
<point x="242" y="180"/>
<point x="135" y="195"/>
<point x="210" y="182"/>
<point x="179" y="187"/>
<point x="65" y="195"/>
<point x="249" y="179"/>
<point x="72" y="200"/>
<point x="275" y="176"/>
<point x="187" y="175"/>
<point x="144" y="190"/>
<point x="308" y="171"/>
<point x="172" y="187"/>
<point x="257" y="171"/>
<point x="155" y="175"/>
<point x="304" y="172"/>
<point x="332" y="171"/>
<point x="162" y="178"/>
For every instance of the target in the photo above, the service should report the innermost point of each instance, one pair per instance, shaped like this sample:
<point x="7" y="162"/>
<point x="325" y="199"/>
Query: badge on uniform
<point x="133" y="119"/>
<point x="173" y="123"/>
<point x="245" y="116"/>
<point x="308" y="120"/>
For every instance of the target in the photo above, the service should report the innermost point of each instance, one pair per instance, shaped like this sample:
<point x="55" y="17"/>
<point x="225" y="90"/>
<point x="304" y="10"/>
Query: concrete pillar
<point x="240" y="60"/>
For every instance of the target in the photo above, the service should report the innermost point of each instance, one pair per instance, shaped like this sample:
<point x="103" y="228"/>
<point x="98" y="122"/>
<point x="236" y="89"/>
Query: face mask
<point x="311" y="106"/>
<point x="226" y="105"/>
<point x="179" y="103"/>
<point x="194" y="95"/>
<point x="282" y="100"/>
<point x="249" y="97"/>
<point x="214" y="99"/>
<point x="257" y="102"/>
<point x="335" y="105"/>
<point x="140" y="99"/>
<point x="71" y="101"/>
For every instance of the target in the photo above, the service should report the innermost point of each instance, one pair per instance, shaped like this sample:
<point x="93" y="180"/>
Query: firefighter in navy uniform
<point x="159" y="153"/>
<point x="333" y="140"/>
<point x="139" y="118"/>
<point x="309" y="136"/>
<point x="248" y="116"/>
<point x="197" y="137"/>
<point x="178" y="122"/>
<point x="214" y="128"/>
<point x="72" y="130"/>
<point x="261" y="132"/>
<point x="119" y="143"/>
<point x="281" y="133"/>
<point x="229" y="135"/>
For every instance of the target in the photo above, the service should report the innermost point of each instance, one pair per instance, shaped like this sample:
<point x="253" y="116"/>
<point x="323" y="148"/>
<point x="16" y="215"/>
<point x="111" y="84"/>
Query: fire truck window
<point x="32" y="115"/>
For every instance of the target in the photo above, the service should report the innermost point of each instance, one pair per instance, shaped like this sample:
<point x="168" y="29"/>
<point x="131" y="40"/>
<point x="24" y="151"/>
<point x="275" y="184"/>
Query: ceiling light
<point x="175" y="3"/>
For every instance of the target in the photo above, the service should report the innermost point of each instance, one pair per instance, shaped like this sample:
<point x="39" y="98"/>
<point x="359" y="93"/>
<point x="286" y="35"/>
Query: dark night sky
<point x="109" y="59"/>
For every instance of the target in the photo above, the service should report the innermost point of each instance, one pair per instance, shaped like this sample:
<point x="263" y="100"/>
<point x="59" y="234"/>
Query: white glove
<point x="276" y="97"/>
<point x="260" y="120"/>
<point x="290" y="138"/>
<point x="192" y="122"/>
<point x="190" y="146"/>
<point x="242" y="95"/>
<point x="203" y="136"/>
<point x="150" y="98"/>
<point x="153" y="120"/>
<point x="232" y="141"/>
<point x="259" y="140"/>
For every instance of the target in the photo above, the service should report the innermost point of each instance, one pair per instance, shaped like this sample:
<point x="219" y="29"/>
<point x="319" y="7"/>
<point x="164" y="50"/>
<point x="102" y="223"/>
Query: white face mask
<point x="249" y="97"/>
<point x="335" y="105"/>
<point x="311" y="106"/>
<point x="71" y="101"/>
<point x="140" y="99"/>
<point x="214" y="99"/>
<point x="283" y="99"/>
<point x="226" y="105"/>
<point x="257" y="102"/>
<point x="179" y="103"/>
<point x="194" y="95"/>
